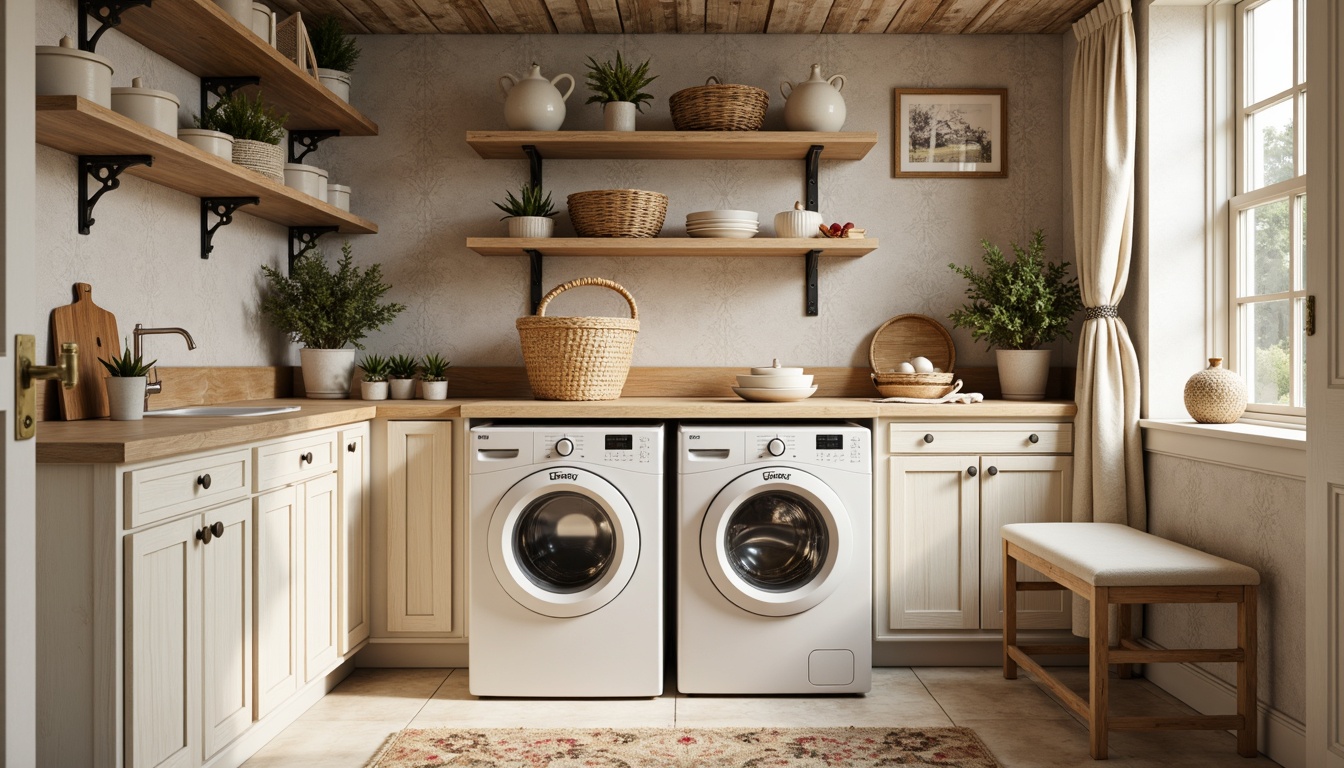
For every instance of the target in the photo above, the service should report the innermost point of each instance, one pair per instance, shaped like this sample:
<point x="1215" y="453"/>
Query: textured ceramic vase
<point x="373" y="390"/>
<point x="531" y="226"/>
<point x="534" y="103"/>
<point x="1215" y="395"/>
<point x="401" y="389"/>
<point x="814" y="104"/>
<point x="619" y="115"/>
<point x="126" y="397"/>
<point x="327" y="372"/>
<point x="434" y="390"/>
<point x="1023" y="373"/>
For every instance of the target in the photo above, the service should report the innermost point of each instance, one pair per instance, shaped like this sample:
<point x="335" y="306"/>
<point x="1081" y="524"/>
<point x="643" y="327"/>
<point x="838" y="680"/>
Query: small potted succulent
<point x="126" y="385"/>
<point x="401" y="370"/>
<point x="257" y="131"/>
<point x="374" y="385"/>
<point x="619" y="88"/>
<point x="529" y="214"/>
<point x="434" y="377"/>
<point x="336" y="54"/>
<point x="1017" y="306"/>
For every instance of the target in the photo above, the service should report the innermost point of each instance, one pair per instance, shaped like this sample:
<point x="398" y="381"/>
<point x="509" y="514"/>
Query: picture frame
<point x="973" y="123"/>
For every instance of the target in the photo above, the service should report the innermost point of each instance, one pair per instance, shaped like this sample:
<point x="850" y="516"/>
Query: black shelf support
<point x="303" y="142"/>
<point x="811" y="166"/>
<point x="221" y="87"/>
<point x="107" y="12"/>
<point x="534" y="286"/>
<point x="304" y="239"/>
<point x="811" y="277"/>
<point x="533" y="163"/>
<point x="223" y="208"/>
<point x="104" y="169"/>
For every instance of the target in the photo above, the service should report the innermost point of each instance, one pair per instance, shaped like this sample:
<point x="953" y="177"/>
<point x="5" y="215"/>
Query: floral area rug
<point x="684" y="748"/>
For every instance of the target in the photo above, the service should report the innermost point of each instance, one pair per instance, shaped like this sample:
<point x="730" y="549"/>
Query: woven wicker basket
<point x="716" y="106"/>
<point x="578" y="358"/>
<point x="924" y="385"/>
<point x="266" y="159"/>
<point x="617" y="213"/>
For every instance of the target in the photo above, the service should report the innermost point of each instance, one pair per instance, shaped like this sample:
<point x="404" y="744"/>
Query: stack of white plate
<point x="774" y="384"/>
<point x="739" y="224"/>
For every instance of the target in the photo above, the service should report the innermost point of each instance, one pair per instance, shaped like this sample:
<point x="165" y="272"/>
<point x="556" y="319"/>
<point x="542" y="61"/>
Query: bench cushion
<point x="1113" y="555"/>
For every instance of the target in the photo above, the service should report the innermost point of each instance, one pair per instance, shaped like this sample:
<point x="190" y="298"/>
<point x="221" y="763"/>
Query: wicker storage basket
<point x="578" y="358"/>
<point x="617" y="213"/>
<point x="716" y="106"/>
<point x="902" y="338"/>
<point x="266" y="159"/>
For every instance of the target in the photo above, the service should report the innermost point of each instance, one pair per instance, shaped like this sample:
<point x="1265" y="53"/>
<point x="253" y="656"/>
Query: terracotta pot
<point x="126" y="397"/>
<point x="1023" y="373"/>
<point x="327" y="372"/>
<point x="402" y="389"/>
<point x="373" y="390"/>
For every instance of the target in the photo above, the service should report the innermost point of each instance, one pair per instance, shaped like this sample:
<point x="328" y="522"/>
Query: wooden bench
<point x="1111" y="564"/>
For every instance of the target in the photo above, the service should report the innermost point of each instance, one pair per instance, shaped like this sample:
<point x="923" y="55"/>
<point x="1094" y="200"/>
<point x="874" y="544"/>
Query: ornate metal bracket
<point x="304" y="239"/>
<point x="533" y="163"/>
<point x="107" y="12"/>
<point x="223" y="208"/>
<point x="534" y="284"/>
<point x="303" y="142"/>
<point x="221" y="87"/>
<point x="104" y="169"/>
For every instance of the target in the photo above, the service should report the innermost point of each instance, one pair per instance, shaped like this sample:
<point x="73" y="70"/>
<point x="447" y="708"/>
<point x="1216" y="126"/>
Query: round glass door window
<point x="564" y="542"/>
<point x="776" y="541"/>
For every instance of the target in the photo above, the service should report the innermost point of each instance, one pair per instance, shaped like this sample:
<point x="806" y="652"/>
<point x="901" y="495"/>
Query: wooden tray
<point x="912" y="335"/>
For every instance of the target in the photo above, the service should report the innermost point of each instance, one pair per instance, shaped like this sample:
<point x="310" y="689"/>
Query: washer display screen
<point x="565" y="542"/>
<point x="776" y="541"/>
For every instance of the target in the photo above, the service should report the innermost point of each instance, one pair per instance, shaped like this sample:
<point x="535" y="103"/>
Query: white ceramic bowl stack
<point x="773" y="384"/>
<point x="735" y="224"/>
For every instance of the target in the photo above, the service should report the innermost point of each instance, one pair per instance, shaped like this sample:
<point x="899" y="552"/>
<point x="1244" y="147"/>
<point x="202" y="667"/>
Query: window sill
<point x="1252" y="447"/>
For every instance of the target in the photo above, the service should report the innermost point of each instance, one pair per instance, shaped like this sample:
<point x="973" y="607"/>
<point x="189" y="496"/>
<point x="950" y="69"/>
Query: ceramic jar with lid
<point x="797" y="223"/>
<point x="814" y="104"/>
<point x="1215" y="395"/>
<point x="64" y="70"/>
<point x="534" y="103"/>
<point x="156" y="109"/>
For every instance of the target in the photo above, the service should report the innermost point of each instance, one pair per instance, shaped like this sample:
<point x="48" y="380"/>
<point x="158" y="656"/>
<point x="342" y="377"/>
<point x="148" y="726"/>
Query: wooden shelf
<point x="200" y="37"/>
<point x="670" y="145"/>
<point x="81" y="127"/>
<point x="669" y="246"/>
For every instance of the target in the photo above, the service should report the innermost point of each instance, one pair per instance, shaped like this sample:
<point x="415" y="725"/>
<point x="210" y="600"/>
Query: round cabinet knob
<point x="204" y="481"/>
<point x="928" y="438"/>
<point x="972" y="471"/>
<point x="217" y="528"/>
<point x="992" y="471"/>
<point x="775" y="447"/>
<point x="350" y="447"/>
<point x="564" y="446"/>
<point x="1033" y="438"/>
<point x="307" y="458"/>
<point x="205" y="535"/>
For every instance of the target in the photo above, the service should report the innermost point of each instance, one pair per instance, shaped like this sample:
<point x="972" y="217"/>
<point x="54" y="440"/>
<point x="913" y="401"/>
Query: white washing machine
<point x="566" y="585"/>
<point x="774" y="559"/>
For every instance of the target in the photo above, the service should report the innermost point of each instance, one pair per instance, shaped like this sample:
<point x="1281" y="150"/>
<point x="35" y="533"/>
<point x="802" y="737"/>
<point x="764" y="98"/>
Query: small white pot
<point x="327" y="372"/>
<point x="434" y="390"/>
<point x="402" y="389"/>
<point x="64" y="70"/>
<point x="126" y="397"/>
<point x="336" y="81"/>
<point x="216" y="143"/>
<point x="339" y="196"/>
<point x="531" y="226"/>
<point x="373" y="390"/>
<point x="263" y="23"/>
<point x="1023" y="373"/>
<point x="156" y="109"/>
<point x="238" y="9"/>
<point x="797" y="224"/>
<point x="618" y="116"/>
<point x="308" y="179"/>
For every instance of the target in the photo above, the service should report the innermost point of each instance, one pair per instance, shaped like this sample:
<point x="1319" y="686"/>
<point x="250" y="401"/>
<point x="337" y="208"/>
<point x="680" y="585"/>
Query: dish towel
<point x="955" y="396"/>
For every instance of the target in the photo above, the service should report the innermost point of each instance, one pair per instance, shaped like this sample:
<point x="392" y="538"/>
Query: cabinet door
<point x="318" y="538"/>
<point x="934" y="574"/>
<point x="353" y="601"/>
<point x="419" y="526"/>
<point x="226" y="626"/>
<point x="1021" y="489"/>
<point x="163" y="647"/>
<point x="276" y="597"/>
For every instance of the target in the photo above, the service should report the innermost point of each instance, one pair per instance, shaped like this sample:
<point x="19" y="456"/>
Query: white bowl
<point x="731" y="234"/>
<point x="698" y="215"/>
<point x="723" y="225"/>
<point x="766" y="395"/>
<point x="770" y="370"/>
<point x="774" y="382"/>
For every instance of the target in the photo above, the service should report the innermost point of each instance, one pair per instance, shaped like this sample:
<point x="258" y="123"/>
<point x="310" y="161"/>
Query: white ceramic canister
<point x="238" y="9"/>
<point x="322" y="186"/>
<point x="336" y="81"/>
<point x="797" y="223"/>
<point x="338" y="195"/>
<point x="306" y="179"/>
<point x="215" y="142"/>
<point x="814" y="104"/>
<point x="263" y="23"/>
<point x="531" y="226"/>
<point x="64" y="70"/>
<point x="533" y="103"/>
<point x="157" y="109"/>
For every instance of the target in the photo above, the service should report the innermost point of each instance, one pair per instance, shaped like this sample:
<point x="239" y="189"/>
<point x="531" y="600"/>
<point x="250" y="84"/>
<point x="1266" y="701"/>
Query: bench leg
<point x="1009" y="612"/>
<point x="1125" y="629"/>
<point x="1246" y="673"/>
<point x="1099" y="645"/>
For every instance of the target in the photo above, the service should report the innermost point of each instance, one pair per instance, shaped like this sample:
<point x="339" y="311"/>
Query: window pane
<point x="1299" y="281"/>
<point x="1269" y="49"/>
<point x="1265" y="235"/>
<point x="1300" y="359"/>
<point x="1302" y="131"/>
<point x="1271" y="143"/>
<point x="1270" y="368"/>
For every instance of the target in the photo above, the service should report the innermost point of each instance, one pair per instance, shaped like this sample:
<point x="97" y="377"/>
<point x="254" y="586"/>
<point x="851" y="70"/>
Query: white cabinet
<point x="353" y="560"/>
<point x="277" y="597"/>
<point x="226" y="607"/>
<point x="419" y="524"/>
<point x="320" y="530"/>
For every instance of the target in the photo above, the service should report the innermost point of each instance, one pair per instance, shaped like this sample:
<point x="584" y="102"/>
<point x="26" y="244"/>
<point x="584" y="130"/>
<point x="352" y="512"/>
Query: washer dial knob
<point x="775" y="447"/>
<point x="564" y="446"/>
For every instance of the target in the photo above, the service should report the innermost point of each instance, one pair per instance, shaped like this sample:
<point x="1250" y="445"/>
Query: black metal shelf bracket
<point x="303" y="142"/>
<point x="304" y="239"/>
<point x="810" y="275"/>
<point x="533" y="163"/>
<point x="107" y="12"/>
<point x="104" y="169"/>
<point x="222" y="87"/>
<point x="534" y="286"/>
<point x="810" y="169"/>
<point x="223" y="208"/>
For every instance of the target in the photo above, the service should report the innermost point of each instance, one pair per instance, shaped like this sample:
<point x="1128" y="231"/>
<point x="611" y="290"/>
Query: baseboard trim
<point x="406" y="654"/>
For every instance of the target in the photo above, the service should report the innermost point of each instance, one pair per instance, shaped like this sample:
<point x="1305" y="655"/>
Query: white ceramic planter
<point x="214" y="142"/>
<point x="262" y="22"/>
<point x="126" y="397"/>
<point x="238" y="9"/>
<point x="531" y="226"/>
<point x="64" y="70"/>
<point x="327" y="372"/>
<point x="339" y="196"/>
<point x="373" y="390"/>
<point x="401" y="389"/>
<point x="266" y="159"/>
<point x="308" y="179"/>
<point x="434" y="390"/>
<point x="336" y="81"/>
<point x="618" y="116"/>
<point x="156" y="109"/>
<point x="1023" y="373"/>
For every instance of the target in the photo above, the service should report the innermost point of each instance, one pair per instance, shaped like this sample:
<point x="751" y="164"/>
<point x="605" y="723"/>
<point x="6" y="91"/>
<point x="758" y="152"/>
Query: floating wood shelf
<point x="81" y="127"/>
<point x="669" y="246"/>
<point x="671" y="145"/>
<point x="200" y="37"/>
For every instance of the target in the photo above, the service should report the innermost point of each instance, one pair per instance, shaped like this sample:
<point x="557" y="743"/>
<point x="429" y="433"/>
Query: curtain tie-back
<point x="1097" y="313"/>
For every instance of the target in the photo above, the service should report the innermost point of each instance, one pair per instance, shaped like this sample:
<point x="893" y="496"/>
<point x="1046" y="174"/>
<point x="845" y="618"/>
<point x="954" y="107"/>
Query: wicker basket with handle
<point x="578" y="358"/>
<point x="716" y="106"/>
<point x="617" y="213"/>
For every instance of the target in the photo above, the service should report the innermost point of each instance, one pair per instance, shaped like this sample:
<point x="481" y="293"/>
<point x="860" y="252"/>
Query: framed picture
<point x="951" y="133"/>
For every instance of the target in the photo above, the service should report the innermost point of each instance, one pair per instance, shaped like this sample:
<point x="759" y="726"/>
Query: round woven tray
<point x="912" y="335"/>
<point x="578" y="358"/>
<point x="717" y="106"/>
<point x="617" y="213"/>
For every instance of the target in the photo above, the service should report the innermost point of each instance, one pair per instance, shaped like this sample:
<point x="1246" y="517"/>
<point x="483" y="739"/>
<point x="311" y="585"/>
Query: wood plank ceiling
<point x="387" y="17"/>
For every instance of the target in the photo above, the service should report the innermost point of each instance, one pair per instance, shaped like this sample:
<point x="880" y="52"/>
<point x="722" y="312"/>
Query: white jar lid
<point x="305" y="167"/>
<point x="136" y="88"/>
<point x="337" y="188"/>
<point x="67" y="48"/>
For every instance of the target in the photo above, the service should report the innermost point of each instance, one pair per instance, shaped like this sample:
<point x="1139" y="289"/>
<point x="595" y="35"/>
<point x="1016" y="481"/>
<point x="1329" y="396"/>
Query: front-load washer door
<point x="776" y="541"/>
<point x="563" y="542"/>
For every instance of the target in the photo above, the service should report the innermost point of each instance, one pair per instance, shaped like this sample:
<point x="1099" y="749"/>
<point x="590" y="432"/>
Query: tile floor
<point x="1019" y="722"/>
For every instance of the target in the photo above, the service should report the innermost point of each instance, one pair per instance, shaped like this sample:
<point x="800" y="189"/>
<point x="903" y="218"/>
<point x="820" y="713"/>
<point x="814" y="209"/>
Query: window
<point x="1268" y="212"/>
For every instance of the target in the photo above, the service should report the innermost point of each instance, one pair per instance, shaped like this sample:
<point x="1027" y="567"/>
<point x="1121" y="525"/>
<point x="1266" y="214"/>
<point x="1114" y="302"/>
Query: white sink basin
<point x="224" y="410"/>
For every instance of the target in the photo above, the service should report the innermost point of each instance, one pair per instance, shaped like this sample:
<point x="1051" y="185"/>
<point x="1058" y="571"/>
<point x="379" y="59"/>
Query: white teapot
<point x="814" y="104"/>
<point x="533" y="103"/>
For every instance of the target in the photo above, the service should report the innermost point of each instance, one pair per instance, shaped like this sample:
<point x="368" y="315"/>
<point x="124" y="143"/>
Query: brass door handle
<point x="26" y="372"/>
<point x="66" y="369"/>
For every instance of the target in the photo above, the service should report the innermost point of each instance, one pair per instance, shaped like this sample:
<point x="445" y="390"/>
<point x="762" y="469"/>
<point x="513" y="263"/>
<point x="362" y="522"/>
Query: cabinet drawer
<point x="296" y="460"/>
<point x="160" y="492"/>
<point x="981" y="438"/>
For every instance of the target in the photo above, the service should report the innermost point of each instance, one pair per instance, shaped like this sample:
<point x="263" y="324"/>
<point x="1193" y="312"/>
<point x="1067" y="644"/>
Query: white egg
<point x="905" y="368"/>
<point x="922" y="365"/>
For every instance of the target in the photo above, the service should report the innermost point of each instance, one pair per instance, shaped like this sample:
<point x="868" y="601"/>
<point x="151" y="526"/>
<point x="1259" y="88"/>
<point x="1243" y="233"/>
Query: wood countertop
<point x="102" y="441"/>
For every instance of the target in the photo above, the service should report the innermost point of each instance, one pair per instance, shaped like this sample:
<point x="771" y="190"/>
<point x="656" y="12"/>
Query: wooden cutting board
<point x="94" y="329"/>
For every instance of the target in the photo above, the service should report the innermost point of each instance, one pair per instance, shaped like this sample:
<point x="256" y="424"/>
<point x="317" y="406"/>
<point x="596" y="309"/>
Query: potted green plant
<point x="126" y="385"/>
<point x="208" y="136"/>
<point x="374" y="384"/>
<point x="401" y="370"/>
<point x="529" y="214"/>
<point x="257" y="131"/>
<point x="1017" y="306"/>
<point x="619" y="88"/>
<point x="434" y="377"/>
<point x="327" y="311"/>
<point x="336" y="54"/>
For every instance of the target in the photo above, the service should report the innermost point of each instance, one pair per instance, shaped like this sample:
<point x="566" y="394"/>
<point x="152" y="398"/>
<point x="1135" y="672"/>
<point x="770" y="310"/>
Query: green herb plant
<point x="433" y="368"/>
<point x="127" y="365"/>
<point x="244" y="118"/>
<point x="323" y="309"/>
<point x="1018" y="304"/>
<point x="376" y="367"/>
<point x="618" y="82"/>
<point x="402" y="367"/>
<point x="530" y="203"/>
<point x="332" y="48"/>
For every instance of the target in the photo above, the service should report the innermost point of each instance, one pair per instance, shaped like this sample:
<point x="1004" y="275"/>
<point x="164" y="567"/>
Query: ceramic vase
<point x="1215" y="395"/>
<point x="618" y="116"/>
<point x="534" y="103"/>
<point x="126" y="397"/>
<point x="373" y="390"/>
<point x="531" y="226"/>
<point x="327" y="372"/>
<point x="814" y="104"/>
<point x="434" y="390"/>
<point x="336" y="81"/>
<point x="1023" y="373"/>
<point x="402" y="389"/>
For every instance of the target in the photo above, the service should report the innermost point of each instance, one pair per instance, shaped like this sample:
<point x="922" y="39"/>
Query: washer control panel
<point x="499" y="446"/>
<point x="843" y="446"/>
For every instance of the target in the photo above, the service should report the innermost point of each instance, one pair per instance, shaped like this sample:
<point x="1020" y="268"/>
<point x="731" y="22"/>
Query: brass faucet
<point x="156" y="386"/>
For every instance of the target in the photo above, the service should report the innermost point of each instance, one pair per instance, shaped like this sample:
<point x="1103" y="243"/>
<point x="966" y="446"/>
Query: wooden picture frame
<point x="975" y="120"/>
